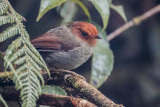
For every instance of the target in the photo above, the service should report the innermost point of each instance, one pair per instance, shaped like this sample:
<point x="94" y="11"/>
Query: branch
<point x="77" y="82"/>
<point x="73" y="80"/>
<point x="10" y="94"/>
<point x="135" y="21"/>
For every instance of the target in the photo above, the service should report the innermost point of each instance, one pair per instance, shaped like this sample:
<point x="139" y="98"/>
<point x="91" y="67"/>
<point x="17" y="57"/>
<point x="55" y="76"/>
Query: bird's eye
<point x="84" y="33"/>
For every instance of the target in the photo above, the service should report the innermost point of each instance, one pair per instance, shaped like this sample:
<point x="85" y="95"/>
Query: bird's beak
<point x="98" y="37"/>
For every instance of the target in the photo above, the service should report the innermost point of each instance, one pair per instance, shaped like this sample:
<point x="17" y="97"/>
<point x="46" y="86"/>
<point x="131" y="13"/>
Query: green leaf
<point x="102" y="61"/>
<point x="3" y="101"/>
<point x="53" y="90"/>
<point x="6" y="19"/>
<point x="3" y="8"/>
<point x="84" y="8"/>
<point x="9" y="32"/>
<point x="110" y="2"/>
<point x="68" y="11"/>
<point x="102" y="7"/>
<point x="1" y="62"/>
<point x="47" y="5"/>
<point x="119" y="9"/>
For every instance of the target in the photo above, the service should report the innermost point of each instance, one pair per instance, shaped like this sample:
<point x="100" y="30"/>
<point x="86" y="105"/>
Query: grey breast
<point x="72" y="58"/>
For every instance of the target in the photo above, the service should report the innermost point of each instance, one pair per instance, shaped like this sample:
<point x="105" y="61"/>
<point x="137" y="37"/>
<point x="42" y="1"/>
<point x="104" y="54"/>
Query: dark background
<point x="135" y="79"/>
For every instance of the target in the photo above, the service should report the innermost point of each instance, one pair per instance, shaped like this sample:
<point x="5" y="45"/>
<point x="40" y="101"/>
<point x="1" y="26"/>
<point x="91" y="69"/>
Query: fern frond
<point x="15" y="56"/>
<point x="29" y="92"/>
<point x="35" y="58"/>
<point x="21" y="69"/>
<point x="3" y="8"/>
<point x="21" y="57"/>
<point x="20" y="60"/>
<point x="9" y="32"/>
<point x="6" y="19"/>
<point x="25" y="76"/>
<point x="3" y="101"/>
<point x="38" y="74"/>
<point x="33" y="49"/>
<point x="16" y="78"/>
<point x="12" y="47"/>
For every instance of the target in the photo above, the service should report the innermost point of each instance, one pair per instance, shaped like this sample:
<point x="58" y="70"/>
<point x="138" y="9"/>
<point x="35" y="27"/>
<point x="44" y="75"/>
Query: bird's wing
<point x="51" y="43"/>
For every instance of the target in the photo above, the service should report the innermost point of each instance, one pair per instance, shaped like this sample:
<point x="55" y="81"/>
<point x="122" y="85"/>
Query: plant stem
<point x="135" y="21"/>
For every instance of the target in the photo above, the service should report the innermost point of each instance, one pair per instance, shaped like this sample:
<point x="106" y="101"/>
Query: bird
<point x="68" y="46"/>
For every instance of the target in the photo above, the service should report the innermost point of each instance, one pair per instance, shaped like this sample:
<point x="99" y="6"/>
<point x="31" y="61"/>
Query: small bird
<point x="67" y="47"/>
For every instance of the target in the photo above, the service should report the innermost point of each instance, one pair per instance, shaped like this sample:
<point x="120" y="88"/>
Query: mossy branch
<point x="70" y="79"/>
<point x="10" y="94"/>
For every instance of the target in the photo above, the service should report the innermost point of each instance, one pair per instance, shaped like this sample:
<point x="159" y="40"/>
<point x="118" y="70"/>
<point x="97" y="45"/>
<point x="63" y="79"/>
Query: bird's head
<point x="85" y="31"/>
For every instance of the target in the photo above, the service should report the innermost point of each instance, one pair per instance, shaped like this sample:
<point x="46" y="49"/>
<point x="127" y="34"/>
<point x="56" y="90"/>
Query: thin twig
<point x="135" y="21"/>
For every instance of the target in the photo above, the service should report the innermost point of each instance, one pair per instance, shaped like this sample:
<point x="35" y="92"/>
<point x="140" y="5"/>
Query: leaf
<point x="6" y="19"/>
<point x="3" y="101"/>
<point x="53" y="90"/>
<point x="84" y="8"/>
<point x="47" y="5"/>
<point x="3" y="8"/>
<point x="102" y="7"/>
<point x="26" y="78"/>
<point x="110" y="2"/>
<point x="119" y="9"/>
<point x="102" y="61"/>
<point x="9" y="32"/>
<point x="68" y="11"/>
<point x="1" y="61"/>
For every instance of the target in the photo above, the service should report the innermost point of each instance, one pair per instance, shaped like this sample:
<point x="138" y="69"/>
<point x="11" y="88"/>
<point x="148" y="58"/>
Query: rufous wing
<point x="47" y="43"/>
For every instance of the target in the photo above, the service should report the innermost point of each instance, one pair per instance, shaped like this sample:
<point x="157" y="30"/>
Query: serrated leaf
<point x="53" y="90"/>
<point x="47" y="5"/>
<point x="102" y="61"/>
<point x="119" y="9"/>
<point x="84" y="8"/>
<point x="102" y="7"/>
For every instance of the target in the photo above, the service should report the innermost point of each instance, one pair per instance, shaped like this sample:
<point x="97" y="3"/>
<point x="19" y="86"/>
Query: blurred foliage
<point x="51" y="89"/>
<point x="67" y="11"/>
<point x="1" y="61"/>
<point x="102" y="6"/>
<point x="3" y="101"/>
<point x="119" y="9"/>
<point x="102" y="61"/>
<point x="47" y="5"/>
<point x="78" y="2"/>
